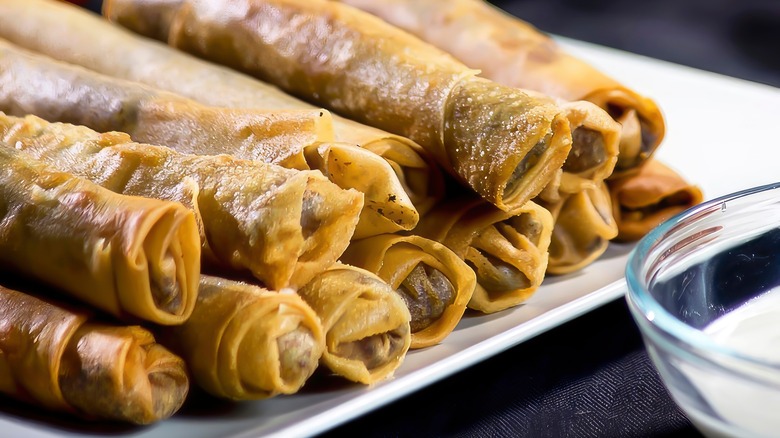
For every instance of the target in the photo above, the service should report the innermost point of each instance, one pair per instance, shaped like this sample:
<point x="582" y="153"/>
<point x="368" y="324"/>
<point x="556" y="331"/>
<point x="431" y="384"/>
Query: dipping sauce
<point x="752" y="329"/>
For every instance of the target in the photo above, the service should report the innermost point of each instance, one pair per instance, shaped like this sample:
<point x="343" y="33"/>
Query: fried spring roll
<point x="584" y="225"/>
<point x="594" y="152"/>
<point x="129" y="256"/>
<point x="506" y="250"/>
<point x="282" y="225"/>
<point x="113" y="51"/>
<point x="56" y="357"/>
<point x="435" y="284"/>
<point x="366" y="323"/>
<point x="501" y="142"/>
<point x="513" y="52"/>
<point x="642" y="201"/>
<point x="56" y="91"/>
<point x="387" y="208"/>
<point x="245" y="342"/>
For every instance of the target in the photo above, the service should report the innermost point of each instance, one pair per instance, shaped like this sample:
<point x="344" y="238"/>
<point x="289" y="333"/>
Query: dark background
<point x="739" y="38"/>
<point x="589" y="377"/>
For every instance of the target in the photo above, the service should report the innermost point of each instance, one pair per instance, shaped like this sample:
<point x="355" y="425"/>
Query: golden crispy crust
<point x="53" y="356"/>
<point x="127" y="255"/>
<point x="282" y="225"/>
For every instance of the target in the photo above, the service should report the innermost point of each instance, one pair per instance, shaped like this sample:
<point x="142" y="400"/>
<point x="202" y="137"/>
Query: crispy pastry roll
<point x="501" y="142"/>
<point x="129" y="256"/>
<point x="56" y="91"/>
<point x="57" y="357"/>
<point x="584" y="225"/>
<point x="435" y="284"/>
<point x="387" y="208"/>
<point x="506" y="250"/>
<point x="594" y="151"/>
<point x="513" y="52"/>
<point x="366" y="323"/>
<point x="113" y="51"/>
<point x="282" y="225"/>
<point x="245" y="342"/>
<point x="642" y="201"/>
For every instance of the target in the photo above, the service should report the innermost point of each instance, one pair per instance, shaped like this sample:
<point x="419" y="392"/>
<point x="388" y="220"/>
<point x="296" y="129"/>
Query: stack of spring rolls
<point x="282" y="187"/>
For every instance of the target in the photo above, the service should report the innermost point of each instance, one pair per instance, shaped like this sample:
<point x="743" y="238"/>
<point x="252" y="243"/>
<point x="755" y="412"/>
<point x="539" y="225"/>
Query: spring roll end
<point x="160" y="253"/>
<point x="120" y="373"/>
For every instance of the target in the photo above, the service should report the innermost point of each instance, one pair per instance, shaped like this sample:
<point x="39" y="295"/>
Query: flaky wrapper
<point x="60" y="92"/>
<point x="113" y="51"/>
<point x="130" y="256"/>
<point x="282" y="225"/>
<point x="584" y="225"/>
<point x="499" y="141"/>
<point x="434" y="282"/>
<point x="244" y="342"/>
<point x="296" y="139"/>
<point x="54" y="357"/>
<point x="640" y="202"/>
<point x="366" y="323"/>
<point x="513" y="52"/>
<point x="506" y="250"/>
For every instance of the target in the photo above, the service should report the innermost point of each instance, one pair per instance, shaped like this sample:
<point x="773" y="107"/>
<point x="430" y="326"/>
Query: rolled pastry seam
<point x="387" y="208"/>
<point x="584" y="225"/>
<point x="55" y="357"/>
<point x="282" y="225"/>
<point x="640" y="202"/>
<point x="497" y="140"/>
<point x="514" y="53"/>
<point x="435" y="284"/>
<point x="61" y="92"/>
<point x="366" y="323"/>
<point x="245" y="342"/>
<point x="506" y="250"/>
<point x="113" y="51"/>
<point x="129" y="256"/>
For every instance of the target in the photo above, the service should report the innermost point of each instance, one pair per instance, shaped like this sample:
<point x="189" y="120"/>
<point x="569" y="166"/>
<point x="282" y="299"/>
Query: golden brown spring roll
<point x="584" y="225"/>
<point x="113" y="51"/>
<point x="366" y="323"/>
<point x="387" y="208"/>
<point x="513" y="52"/>
<point x="642" y="201"/>
<point x="506" y="250"/>
<point x="129" y="256"/>
<point x="594" y="151"/>
<point x="245" y="342"/>
<point x="501" y="142"/>
<point x="56" y="91"/>
<point x="435" y="284"/>
<point x="282" y="225"/>
<point x="58" y="358"/>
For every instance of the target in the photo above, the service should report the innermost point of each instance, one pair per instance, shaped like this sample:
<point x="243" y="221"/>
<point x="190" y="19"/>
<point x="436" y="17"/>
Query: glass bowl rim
<point x="643" y="305"/>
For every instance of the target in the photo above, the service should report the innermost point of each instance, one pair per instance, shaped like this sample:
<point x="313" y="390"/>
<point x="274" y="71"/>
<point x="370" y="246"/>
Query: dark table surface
<point x="590" y="376"/>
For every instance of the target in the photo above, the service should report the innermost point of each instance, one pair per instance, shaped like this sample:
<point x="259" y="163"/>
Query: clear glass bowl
<point x="718" y="261"/>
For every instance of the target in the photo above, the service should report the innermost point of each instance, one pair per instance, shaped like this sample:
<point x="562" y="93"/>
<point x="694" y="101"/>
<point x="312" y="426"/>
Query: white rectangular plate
<point x="721" y="134"/>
